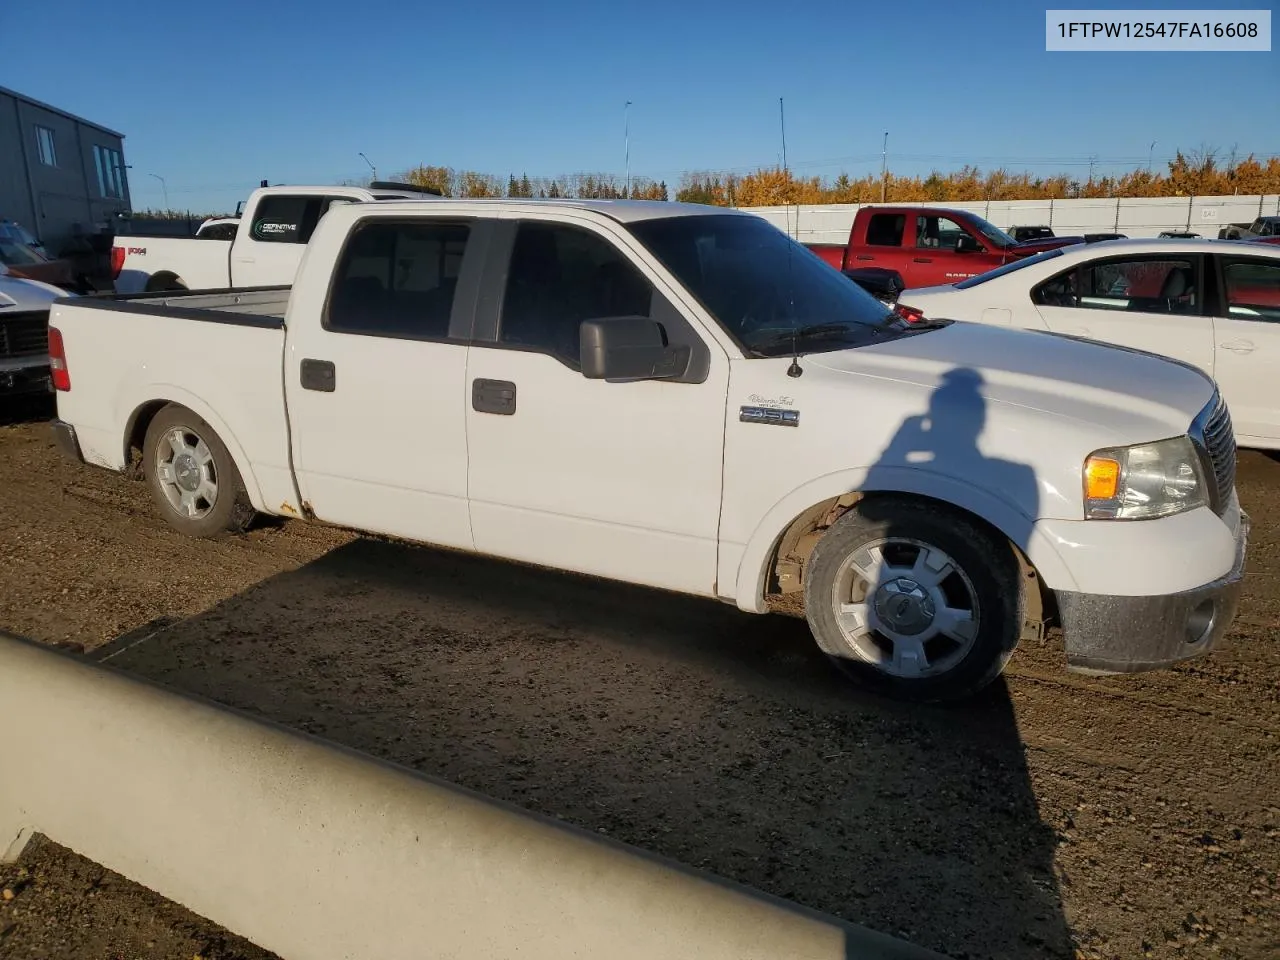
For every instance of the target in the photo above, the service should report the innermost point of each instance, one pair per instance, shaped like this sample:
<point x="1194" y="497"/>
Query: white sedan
<point x="1211" y="303"/>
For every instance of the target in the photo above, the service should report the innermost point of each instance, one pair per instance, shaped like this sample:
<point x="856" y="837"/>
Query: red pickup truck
<point x="893" y="248"/>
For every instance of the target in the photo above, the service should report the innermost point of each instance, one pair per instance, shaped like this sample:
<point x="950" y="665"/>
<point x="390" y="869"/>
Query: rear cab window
<point x="284" y="218"/>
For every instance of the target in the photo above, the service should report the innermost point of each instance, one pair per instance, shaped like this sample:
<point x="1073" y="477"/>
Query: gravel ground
<point x="1058" y="816"/>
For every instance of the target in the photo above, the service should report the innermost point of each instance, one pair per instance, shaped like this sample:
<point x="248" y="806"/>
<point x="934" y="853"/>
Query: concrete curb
<point x="317" y="852"/>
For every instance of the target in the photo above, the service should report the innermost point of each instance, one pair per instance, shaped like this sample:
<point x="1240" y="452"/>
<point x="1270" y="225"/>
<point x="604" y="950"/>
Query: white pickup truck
<point x="262" y="248"/>
<point x="682" y="397"/>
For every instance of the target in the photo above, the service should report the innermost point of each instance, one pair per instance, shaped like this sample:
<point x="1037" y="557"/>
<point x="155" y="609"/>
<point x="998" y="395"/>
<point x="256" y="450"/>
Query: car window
<point x="886" y="229"/>
<point x="1057" y="291"/>
<point x="937" y="233"/>
<point x="1142" y="285"/>
<point x="285" y="219"/>
<point x="1252" y="289"/>
<point x="219" y="231"/>
<point x="560" y="276"/>
<point x="398" y="280"/>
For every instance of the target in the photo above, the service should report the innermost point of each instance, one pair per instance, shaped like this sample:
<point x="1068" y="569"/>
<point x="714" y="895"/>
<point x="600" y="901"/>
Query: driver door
<point x="622" y="479"/>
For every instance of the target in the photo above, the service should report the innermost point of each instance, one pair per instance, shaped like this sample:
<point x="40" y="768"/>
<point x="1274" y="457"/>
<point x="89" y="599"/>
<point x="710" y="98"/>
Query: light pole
<point x="626" y="137"/>
<point x="371" y="166"/>
<point x="165" y="187"/>
<point x="884" y="167"/>
<point x="1151" y="150"/>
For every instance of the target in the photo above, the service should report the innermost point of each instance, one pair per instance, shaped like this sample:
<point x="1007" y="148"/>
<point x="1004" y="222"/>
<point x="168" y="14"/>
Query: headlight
<point x="1144" y="481"/>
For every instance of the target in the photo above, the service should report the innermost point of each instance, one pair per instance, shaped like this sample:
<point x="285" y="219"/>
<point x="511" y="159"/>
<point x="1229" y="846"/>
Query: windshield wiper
<point x="815" y="331"/>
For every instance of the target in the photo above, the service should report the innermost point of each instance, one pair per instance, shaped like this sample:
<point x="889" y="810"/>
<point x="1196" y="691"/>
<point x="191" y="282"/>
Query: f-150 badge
<point x="776" y="416"/>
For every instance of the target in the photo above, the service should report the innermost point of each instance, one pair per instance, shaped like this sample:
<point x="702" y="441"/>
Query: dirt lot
<point x="1057" y="817"/>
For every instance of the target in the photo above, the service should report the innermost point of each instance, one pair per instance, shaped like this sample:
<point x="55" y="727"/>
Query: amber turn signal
<point x="1101" y="478"/>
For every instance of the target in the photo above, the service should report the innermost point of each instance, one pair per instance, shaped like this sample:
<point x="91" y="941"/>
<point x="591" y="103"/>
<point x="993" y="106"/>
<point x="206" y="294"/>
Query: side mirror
<point x="966" y="244"/>
<point x="629" y="348"/>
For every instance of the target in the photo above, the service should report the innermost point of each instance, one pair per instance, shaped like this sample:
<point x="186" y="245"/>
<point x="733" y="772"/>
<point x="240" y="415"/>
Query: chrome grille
<point x="1213" y="436"/>
<point x="23" y="336"/>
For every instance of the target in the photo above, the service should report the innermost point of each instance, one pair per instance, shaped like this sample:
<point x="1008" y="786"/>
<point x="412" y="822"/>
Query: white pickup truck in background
<point x="264" y="249"/>
<point x="682" y="397"/>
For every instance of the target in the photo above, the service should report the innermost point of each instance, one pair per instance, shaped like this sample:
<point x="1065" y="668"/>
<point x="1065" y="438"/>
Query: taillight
<point x="117" y="261"/>
<point x="58" y="371"/>
<point x="909" y="314"/>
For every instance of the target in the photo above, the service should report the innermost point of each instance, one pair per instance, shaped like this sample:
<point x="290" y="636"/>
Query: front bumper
<point x="24" y="375"/>
<point x="1114" y="634"/>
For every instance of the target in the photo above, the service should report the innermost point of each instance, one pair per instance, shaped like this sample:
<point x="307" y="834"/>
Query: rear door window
<point x="886" y="229"/>
<point x="1252" y="289"/>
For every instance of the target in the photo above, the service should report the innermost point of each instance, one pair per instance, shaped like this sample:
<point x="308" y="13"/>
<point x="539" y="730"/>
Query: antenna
<point x="794" y="370"/>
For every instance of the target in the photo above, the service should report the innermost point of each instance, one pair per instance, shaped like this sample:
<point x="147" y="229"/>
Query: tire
<point x="894" y="636"/>
<point x="195" y="486"/>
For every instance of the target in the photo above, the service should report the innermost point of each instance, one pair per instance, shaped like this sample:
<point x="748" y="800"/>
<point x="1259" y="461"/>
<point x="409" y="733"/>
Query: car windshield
<point x="991" y="231"/>
<point x="762" y="286"/>
<point x="1007" y="268"/>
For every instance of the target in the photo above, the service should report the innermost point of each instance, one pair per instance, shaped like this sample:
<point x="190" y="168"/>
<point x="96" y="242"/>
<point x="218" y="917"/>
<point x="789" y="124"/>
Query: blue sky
<point x="217" y="96"/>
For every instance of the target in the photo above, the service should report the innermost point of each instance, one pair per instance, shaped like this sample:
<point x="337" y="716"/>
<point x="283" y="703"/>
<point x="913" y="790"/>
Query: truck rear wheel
<point x="914" y="600"/>
<point x="191" y="476"/>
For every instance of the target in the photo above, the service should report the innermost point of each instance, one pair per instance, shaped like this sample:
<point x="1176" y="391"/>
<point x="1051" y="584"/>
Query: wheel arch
<point x="164" y="280"/>
<point x="143" y="412"/>
<point x="788" y="531"/>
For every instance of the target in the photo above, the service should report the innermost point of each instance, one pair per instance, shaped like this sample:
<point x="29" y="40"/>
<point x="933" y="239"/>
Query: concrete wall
<point x="49" y="200"/>
<point x="1135" y="217"/>
<point x="316" y="852"/>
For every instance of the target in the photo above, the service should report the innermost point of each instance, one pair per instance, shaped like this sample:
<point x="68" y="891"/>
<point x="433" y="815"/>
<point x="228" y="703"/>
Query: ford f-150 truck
<point x="682" y="397"/>
<point x="925" y="246"/>
<point x="264" y="250"/>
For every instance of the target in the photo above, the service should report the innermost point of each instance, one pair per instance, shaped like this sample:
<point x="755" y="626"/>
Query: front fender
<point x="172" y="393"/>
<point x="1007" y="517"/>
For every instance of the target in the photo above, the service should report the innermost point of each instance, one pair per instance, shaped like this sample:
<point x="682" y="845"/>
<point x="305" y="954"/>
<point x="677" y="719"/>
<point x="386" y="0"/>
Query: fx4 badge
<point x="770" y="415"/>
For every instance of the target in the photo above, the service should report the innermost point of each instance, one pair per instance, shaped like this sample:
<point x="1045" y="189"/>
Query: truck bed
<point x="216" y="352"/>
<point x="253" y="306"/>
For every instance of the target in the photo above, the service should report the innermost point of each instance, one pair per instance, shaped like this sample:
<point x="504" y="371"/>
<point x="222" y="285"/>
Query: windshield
<point x="991" y="231"/>
<point x="1007" y="268"/>
<point x="762" y="286"/>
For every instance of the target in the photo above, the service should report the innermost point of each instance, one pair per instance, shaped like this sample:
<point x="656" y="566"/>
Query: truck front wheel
<point x="913" y="599"/>
<point x="192" y="478"/>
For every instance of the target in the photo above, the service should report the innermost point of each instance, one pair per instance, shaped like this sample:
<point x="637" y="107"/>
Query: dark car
<point x="1022" y="234"/>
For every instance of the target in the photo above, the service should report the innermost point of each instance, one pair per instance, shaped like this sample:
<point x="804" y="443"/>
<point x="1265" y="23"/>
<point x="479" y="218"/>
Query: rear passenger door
<point x="376" y="386"/>
<point x="269" y="245"/>
<point x="886" y="234"/>
<point x="1152" y="302"/>
<point x="1247" y="327"/>
<point x="617" y="479"/>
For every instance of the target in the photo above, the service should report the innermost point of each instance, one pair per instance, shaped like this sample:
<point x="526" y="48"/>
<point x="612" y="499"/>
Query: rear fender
<point x="171" y="393"/>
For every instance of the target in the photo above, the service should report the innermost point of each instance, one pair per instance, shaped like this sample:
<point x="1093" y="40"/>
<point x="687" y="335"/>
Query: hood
<point x="1125" y="395"/>
<point x="21" y="294"/>
<point x="1040" y="245"/>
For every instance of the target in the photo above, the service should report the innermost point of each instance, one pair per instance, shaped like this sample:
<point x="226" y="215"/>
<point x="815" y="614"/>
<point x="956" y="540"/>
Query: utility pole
<point x="371" y="166"/>
<point x="884" y="168"/>
<point x="1150" y="153"/>
<point x="626" y="137"/>
<point x="165" y="187"/>
<point x="1091" y="162"/>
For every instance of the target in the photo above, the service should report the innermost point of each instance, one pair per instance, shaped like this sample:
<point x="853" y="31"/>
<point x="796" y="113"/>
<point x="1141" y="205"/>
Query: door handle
<point x="1238" y="346"/>
<point x="493" y="396"/>
<point x="319" y="375"/>
<point x="922" y="259"/>
<point x="864" y="256"/>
